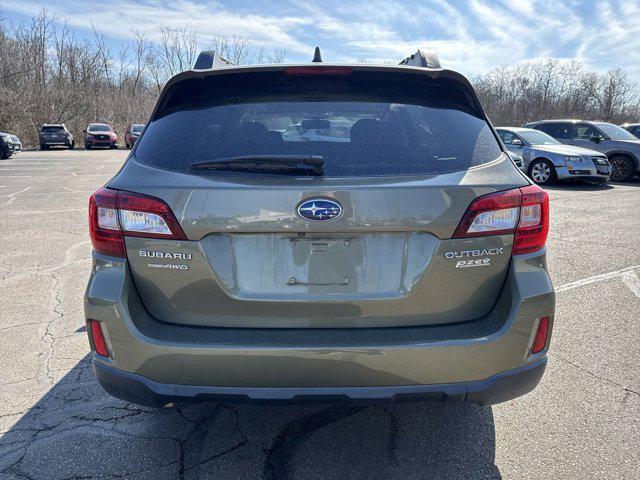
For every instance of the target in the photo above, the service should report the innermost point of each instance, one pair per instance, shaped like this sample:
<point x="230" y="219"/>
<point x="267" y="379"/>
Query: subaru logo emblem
<point x="319" y="209"/>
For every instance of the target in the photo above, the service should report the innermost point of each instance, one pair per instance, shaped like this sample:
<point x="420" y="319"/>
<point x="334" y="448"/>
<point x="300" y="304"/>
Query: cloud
<point x="209" y="20"/>
<point x="473" y="36"/>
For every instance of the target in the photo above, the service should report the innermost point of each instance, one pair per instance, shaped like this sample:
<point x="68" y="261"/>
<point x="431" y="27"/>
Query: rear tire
<point x="44" y="147"/>
<point x="543" y="172"/>
<point x="71" y="145"/>
<point x="622" y="168"/>
<point x="87" y="147"/>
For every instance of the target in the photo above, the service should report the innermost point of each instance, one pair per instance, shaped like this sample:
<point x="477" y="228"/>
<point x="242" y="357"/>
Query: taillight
<point x="317" y="70"/>
<point x="115" y="213"/>
<point x="104" y="229"/>
<point x="99" y="343"/>
<point x="540" y="341"/>
<point x="531" y="234"/>
<point x="521" y="211"/>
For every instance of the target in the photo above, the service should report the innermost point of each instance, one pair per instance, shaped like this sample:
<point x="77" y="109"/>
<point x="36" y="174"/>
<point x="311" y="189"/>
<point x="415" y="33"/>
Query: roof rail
<point x="209" y="59"/>
<point x="422" y="58"/>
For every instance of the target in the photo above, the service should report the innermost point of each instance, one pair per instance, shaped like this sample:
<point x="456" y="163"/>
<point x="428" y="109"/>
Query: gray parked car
<point x="621" y="147"/>
<point x="318" y="236"/>
<point x="546" y="160"/>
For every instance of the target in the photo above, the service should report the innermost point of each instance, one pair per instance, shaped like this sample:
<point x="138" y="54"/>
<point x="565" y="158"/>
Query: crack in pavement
<point x="48" y="340"/>
<point x="629" y="391"/>
<point x="278" y="463"/>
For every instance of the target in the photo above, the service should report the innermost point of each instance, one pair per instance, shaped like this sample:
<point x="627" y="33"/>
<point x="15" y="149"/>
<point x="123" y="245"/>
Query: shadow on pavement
<point x="580" y="186"/>
<point x="78" y="431"/>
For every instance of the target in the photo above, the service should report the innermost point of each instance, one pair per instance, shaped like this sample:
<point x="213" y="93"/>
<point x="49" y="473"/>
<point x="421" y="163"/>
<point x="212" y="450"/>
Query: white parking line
<point x="12" y="196"/>
<point x="629" y="276"/>
<point x="633" y="282"/>
<point x="39" y="212"/>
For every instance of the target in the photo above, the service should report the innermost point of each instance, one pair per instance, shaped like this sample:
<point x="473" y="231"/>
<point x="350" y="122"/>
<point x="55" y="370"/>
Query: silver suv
<point x="621" y="147"/>
<point x="546" y="160"/>
<point x="319" y="236"/>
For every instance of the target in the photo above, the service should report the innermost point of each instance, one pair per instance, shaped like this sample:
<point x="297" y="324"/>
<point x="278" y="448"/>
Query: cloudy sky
<point x="472" y="36"/>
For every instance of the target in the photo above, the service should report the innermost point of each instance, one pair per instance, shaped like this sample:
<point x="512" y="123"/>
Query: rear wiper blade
<point x="310" y="164"/>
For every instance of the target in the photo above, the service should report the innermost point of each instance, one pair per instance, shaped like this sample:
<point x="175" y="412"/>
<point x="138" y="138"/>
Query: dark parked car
<point x="9" y="145"/>
<point x="317" y="232"/>
<point x="132" y="134"/>
<point x="100" y="135"/>
<point x="633" y="128"/>
<point x="621" y="147"/>
<point x="55" y="135"/>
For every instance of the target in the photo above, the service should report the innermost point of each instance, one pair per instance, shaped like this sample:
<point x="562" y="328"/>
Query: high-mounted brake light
<point x="521" y="211"/>
<point x="114" y="214"/>
<point x="320" y="70"/>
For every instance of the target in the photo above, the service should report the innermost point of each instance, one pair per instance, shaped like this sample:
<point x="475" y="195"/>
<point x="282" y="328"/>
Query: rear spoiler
<point x="423" y="62"/>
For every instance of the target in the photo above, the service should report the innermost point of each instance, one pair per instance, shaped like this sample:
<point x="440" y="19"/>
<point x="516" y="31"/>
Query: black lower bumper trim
<point x="498" y="388"/>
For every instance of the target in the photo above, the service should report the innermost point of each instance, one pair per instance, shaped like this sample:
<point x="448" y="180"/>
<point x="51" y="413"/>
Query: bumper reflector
<point x="99" y="344"/>
<point x="541" y="335"/>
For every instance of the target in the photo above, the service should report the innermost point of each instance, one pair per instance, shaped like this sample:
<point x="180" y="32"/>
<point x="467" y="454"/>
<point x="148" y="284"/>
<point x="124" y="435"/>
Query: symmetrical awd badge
<point x="319" y="209"/>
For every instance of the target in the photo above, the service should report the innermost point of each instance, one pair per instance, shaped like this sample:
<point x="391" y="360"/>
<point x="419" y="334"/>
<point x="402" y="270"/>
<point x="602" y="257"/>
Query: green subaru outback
<point x="319" y="232"/>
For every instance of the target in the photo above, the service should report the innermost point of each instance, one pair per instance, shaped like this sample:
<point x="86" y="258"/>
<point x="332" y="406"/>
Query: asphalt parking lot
<point x="583" y="421"/>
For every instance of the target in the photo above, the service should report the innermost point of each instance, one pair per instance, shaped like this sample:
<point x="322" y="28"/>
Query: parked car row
<point x="547" y="151"/>
<point x="553" y="150"/>
<point x="96" y="135"/>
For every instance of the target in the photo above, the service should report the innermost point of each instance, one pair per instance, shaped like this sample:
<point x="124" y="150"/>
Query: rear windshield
<point x="52" y="128"/>
<point x="137" y="128"/>
<point x="361" y="125"/>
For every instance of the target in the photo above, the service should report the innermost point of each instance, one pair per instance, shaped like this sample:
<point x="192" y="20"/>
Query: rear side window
<point x="52" y="129"/>
<point x="556" y="130"/>
<point x="507" y="137"/>
<point x="584" y="132"/>
<point x="362" y="125"/>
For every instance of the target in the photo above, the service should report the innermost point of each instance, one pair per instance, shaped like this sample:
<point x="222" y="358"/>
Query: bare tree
<point x="554" y="89"/>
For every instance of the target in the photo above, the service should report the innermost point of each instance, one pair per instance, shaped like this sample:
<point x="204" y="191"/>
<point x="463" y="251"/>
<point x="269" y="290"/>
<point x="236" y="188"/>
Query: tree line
<point x="47" y="75"/>
<point x="550" y="88"/>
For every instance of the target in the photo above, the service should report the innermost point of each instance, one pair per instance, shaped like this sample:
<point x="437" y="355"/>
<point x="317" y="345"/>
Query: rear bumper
<point x="486" y="360"/>
<point x="495" y="389"/>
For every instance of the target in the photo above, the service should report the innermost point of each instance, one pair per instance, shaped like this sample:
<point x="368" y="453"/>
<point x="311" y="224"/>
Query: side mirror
<point x="84" y="131"/>
<point x="595" y="138"/>
<point x="516" y="142"/>
<point x="115" y="131"/>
